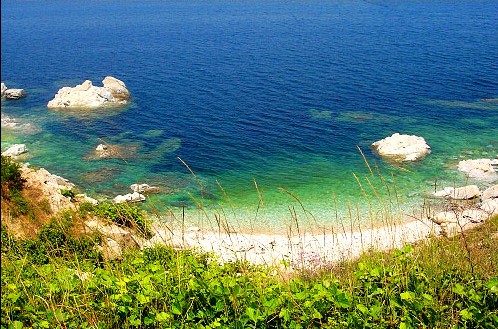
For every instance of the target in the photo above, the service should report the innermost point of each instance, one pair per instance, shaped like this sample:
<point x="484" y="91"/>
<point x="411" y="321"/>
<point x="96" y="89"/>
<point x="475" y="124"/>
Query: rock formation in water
<point x="87" y="95"/>
<point x="402" y="147"/>
<point x="15" y="150"/>
<point x="12" y="94"/>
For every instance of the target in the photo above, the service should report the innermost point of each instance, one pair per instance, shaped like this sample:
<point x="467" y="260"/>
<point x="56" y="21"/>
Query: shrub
<point x="11" y="176"/>
<point x="124" y="214"/>
<point x="68" y="194"/>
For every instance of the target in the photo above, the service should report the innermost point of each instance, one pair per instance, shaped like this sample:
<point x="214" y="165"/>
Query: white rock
<point x="490" y="193"/>
<point x="85" y="198"/>
<point x="473" y="216"/>
<point x="15" y="150"/>
<point x="460" y="193"/>
<point x="402" y="147"/>
<point x="481" y="169"/>
<point x="86" y="95"/>
<point x="490" y="206"/>
<point x="131" y="197"/>
<point x="445" y="217"/>
<point x="101" y="148"/>
<point x="3" y="88"/>
<point x="117" y="88"/>
<point x="14" y="93"/>
<point x="144" y="188"/>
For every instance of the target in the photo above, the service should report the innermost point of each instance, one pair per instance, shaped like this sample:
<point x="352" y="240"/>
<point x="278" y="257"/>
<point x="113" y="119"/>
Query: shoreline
<point x="306" y="251"/>
<point x="299" y="248"/>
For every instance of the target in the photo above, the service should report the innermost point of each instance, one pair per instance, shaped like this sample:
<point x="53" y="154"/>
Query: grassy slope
<point x="57" y="279"/>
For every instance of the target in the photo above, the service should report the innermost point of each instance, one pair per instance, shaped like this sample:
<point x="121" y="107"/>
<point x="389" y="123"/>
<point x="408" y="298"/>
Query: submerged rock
<point x="402" y="147"/>
<point x="481" y="169"/>
<point x="113" y="92"/>
<point x="15" y="150"/>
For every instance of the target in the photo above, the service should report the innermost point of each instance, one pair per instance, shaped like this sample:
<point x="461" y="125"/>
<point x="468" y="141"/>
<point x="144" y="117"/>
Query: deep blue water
<point x="276" y="92"/>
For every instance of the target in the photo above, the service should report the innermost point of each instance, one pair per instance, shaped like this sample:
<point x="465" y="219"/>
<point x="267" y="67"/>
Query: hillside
<point x="54" y="275"/>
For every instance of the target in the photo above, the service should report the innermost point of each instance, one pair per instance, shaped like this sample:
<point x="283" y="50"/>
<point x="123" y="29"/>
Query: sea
<point x="257" y="115"/>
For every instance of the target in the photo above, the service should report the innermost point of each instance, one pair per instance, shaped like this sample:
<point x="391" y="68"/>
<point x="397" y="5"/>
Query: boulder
<point x="453" y="222"/>
<point x="15" y="150"/>
<point x="144" y="188"/>
<point x="481" y="169"/>
<point x="490" y="206"/>
<point x="111" y="249"/>
<point x="490" y="193"/>
<point x="81" y="198"/>
<point x="87" y="95"/>
<point x="117" y="89"/>
<point x="460" y="193"/>
<point x="445" y="217"/>
<point x="402" y="147"/>
<point x="3" y="88"/>
<point x="131" y="197"/>
<point x="14" y="94"/>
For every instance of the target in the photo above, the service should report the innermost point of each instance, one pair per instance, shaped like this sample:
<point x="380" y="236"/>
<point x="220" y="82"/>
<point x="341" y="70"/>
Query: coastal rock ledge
<point x="86" y="95"/>
<point x="402" y="147"/>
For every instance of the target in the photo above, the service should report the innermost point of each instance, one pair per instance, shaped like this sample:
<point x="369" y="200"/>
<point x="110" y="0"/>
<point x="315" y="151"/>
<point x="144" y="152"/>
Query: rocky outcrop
<point x="14" y="94"/>
<point x="87" y="95"/>
<point x="402" y="147"/>
<point x="15" y="150"/>
<point x="50" y="187"/>
<point x="460" y="193"/>
<point x="131" y="197"/>
<point x="480" y="169"/>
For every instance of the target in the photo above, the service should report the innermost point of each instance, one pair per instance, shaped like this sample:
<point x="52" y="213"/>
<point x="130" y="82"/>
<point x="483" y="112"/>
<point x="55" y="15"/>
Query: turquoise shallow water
<point x="274" y="94"/>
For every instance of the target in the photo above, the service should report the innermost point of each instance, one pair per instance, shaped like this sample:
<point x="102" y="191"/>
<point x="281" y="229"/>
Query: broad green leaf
<point x="362" y="308"/>
<point x="175" y="309"/>
<point x="163" y="316"/>
<point x="16" y="325"/>
<point x="284" y="314"/>
<point x="493" y="285"/>
<point x="466" y="314"/>
<point x="407" y="295"/>
<point x="342" y="300"/>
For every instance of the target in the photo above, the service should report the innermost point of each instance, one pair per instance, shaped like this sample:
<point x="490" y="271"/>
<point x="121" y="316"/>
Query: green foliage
<point x="54" y="240"/>
<point x="68" y="194"/>
<point x="11" y="176"/>
<point x="166" y="288"/>
<point x="19" y="205"/>
<point x="56" y="282"/>
<point x="124" y="214"/>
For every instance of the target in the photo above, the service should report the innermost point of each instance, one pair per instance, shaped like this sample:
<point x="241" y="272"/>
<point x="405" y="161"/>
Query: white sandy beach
<point x="306" y="251"/>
